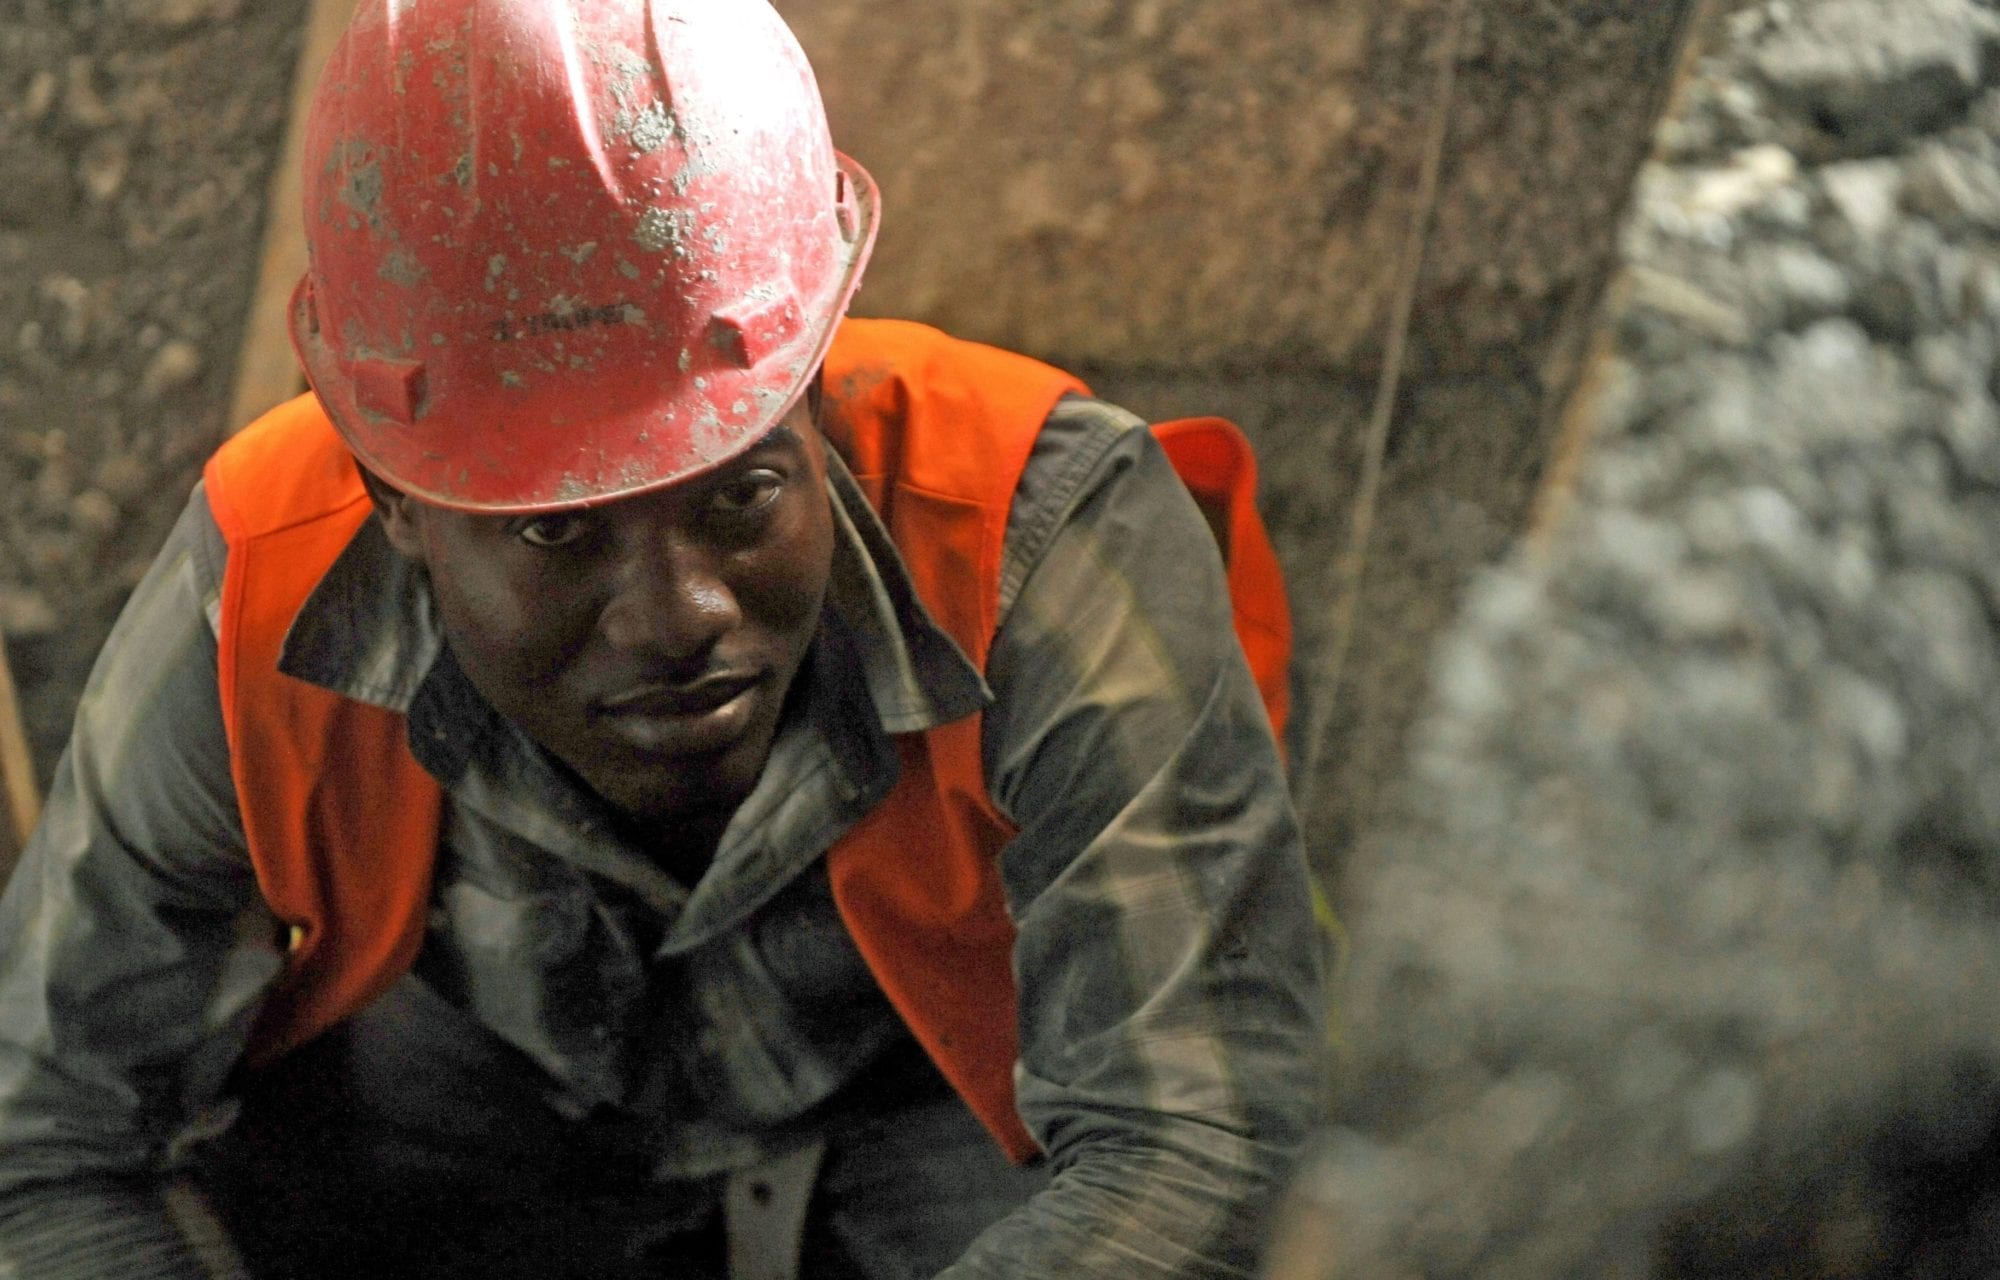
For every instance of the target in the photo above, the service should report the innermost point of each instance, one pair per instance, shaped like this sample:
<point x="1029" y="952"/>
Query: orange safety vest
<point x="342" y="822"/>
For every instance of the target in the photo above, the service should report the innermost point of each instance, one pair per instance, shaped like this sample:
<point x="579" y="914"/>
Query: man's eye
<point x="554" y="530"/>
<point x="746" y="493"/>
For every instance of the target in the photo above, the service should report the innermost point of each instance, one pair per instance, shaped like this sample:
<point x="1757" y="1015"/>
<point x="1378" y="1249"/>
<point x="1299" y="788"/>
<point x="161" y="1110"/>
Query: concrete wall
<point x="1174" y="182"/>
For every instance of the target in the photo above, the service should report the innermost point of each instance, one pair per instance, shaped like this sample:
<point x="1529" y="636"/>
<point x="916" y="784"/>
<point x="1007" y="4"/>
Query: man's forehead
<point x="785" y="437"/>
<point x="791" y="433"/>
<point x="781" y="436"/>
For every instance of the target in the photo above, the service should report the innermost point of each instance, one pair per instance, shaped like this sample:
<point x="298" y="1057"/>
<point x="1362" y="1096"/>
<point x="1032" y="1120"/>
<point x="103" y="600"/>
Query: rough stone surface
<point x="136" y="139"/>
<point x="1173" y="182"/>
<point x="1679" y="959"/>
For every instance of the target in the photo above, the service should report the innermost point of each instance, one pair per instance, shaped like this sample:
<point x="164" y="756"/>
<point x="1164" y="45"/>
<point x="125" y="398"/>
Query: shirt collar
<point x="369" y="630"/>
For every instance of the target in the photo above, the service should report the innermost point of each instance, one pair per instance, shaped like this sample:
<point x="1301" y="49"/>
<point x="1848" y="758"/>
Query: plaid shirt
<point x="1170" y="1050"/>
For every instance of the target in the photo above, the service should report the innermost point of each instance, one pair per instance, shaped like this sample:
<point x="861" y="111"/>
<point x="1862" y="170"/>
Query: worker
<point x="636" y="774"/>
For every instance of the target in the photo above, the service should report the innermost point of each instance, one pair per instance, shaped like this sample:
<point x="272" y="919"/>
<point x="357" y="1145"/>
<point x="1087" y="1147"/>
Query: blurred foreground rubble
<point x="1683" y="958"/>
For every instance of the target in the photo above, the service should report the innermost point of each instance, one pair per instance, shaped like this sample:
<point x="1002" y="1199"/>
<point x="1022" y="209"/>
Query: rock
<point x="37" y="191"/>
<point x="1690" y="138"/>
<point x="1811" y="285"/>
<point x="122" y="476"/>
<point x="1752" y="176"/>
<point x="1915" y="285"/>
<point x="1869" y="72"/>
<point x="28" y="341"/>
<point x="1790" y="284"/>
<point x="1888" y="308"/>
<point x="82" y="103"/>
<point x="54" y="483"/>
<point x="1789" y="208"/>
<point x="171" y="14"/>
<point x="25" y="613"/>
<point x="1953" y="188"/>
<point x="1668" y="296"/>
<point x="1699" y="606"/>
<point x="1933" y="270"/>
<point x="1742" y="110"/>
<point x="1865" y="194"/>
<point x="94" y="511"/>
<point x="101" y="167"/>
<point x="1972" y="432"/>
<point x="175" y="364"/>
<point x="71" y="298"/>
<point x="40" y="95"/>
<point x="1770" y="520"/>
<point x="1722" y="1111"/>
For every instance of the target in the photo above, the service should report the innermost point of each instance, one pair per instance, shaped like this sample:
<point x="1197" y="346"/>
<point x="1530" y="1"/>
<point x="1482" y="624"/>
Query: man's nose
<point x="670" y="600"/>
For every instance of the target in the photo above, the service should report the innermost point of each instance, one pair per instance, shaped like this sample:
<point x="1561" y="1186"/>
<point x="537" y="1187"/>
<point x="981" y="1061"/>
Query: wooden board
<point x="23" y="801"/>
<point x="267" y="373"/>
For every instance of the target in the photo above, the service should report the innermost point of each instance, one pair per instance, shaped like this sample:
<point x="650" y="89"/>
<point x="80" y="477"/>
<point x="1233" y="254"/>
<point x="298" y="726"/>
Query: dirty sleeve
<point x="133" y="950"/>
<point x="1170" y="977"/>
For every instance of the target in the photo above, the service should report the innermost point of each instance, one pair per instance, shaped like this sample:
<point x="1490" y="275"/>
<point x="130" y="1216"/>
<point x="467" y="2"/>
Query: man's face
<point x="647" y="643"/>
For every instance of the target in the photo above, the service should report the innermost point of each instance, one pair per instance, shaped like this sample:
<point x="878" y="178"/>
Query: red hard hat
<point x="568" y="250"/>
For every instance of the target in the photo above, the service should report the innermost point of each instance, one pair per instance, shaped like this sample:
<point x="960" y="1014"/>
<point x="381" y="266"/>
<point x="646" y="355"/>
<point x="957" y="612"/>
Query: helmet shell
<point x="563" y="251"/>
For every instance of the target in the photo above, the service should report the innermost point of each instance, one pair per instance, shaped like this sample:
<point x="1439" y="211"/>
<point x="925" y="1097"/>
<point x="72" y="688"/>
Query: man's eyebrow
<point x="778" y="437"/>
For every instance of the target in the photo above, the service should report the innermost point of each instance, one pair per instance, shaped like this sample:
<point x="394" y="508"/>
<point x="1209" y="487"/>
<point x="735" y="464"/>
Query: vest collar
<point x="369" y="630"/>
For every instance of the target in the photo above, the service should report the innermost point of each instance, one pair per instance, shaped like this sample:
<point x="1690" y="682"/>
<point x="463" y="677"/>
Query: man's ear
<point x="398" y="512"/>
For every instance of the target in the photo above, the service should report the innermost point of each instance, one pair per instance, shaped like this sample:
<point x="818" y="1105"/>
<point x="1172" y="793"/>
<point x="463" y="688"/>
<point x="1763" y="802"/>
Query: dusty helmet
<point x="563" y="251"/>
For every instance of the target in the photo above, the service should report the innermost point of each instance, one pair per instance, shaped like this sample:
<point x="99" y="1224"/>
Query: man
<point x="714" y="791"/>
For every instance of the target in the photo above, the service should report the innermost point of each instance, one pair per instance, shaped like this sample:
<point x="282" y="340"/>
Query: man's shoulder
<point x="287" y="467"/>
<point x="1083" y="444"/>
<point x="909" y="407"/>
<point x="868" y="354"/>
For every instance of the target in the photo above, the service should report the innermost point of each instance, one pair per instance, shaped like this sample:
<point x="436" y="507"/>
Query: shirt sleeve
<point x="1171" y="1004"/>
<point x="133" y="949"/>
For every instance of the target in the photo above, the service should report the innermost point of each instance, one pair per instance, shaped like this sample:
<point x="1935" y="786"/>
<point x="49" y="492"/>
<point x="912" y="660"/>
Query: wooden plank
<point x="1578" y="409"/>
<point x="267" y="373"/>
<point x="17" y="773"/>
<point x="1576" y="424"/>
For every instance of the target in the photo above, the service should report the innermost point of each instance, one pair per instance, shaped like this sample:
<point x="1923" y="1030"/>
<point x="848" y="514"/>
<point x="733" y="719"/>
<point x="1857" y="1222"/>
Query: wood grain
<point x="17" y="773"/>
<point x="267" y="373"/>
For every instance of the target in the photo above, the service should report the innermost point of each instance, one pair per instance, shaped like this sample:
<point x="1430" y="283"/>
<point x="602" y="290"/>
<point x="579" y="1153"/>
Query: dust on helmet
<point x="563" y="251"/>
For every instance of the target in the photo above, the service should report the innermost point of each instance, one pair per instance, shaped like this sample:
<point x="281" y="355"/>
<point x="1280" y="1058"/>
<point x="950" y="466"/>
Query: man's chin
<point x="692" y="787"/>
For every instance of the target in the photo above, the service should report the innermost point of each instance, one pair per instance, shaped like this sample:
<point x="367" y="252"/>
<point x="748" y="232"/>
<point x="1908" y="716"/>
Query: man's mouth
<point x="695" y="717"/>
<point x="671" y="698"/>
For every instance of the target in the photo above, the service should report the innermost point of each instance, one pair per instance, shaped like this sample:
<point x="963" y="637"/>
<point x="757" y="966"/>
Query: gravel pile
<point x="136" y="139"/>
<point x="1684" y="959"/>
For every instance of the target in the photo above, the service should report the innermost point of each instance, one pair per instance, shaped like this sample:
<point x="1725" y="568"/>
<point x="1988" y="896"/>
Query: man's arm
<point x="133" y="947"/>
<point x="1171" y="1007"/>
